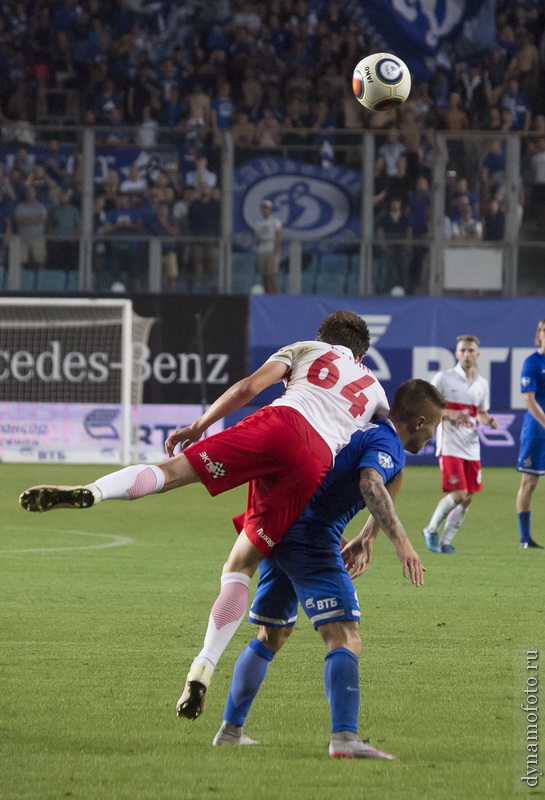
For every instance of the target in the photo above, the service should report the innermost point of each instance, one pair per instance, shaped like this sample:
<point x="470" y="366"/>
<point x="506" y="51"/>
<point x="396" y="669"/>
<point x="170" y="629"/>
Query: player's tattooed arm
<point x="381" y="506"/>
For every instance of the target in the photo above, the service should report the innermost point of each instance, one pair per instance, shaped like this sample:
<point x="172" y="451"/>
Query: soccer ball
<point x="381" y="82"/>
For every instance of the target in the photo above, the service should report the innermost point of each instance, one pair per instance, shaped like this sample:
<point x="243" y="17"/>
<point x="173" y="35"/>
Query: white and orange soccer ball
<point x="381" y="82"/>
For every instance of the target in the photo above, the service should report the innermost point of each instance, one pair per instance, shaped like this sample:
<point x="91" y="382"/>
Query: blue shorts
<point x="310" y="573"/>
<point x="532" y="456"/>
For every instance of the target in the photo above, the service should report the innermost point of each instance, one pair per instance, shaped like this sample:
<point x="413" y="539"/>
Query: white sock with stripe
<point x="227" y="613"/>
<point x="128" y="483"/>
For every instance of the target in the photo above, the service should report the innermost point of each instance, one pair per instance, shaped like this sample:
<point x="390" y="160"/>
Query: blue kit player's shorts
<point x="309" y="571"/>
<point x="532" y="456"/>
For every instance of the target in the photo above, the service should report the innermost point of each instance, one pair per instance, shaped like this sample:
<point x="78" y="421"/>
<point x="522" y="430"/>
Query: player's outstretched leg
<point x="128" y="483"/>
<point x="47" y="498"/>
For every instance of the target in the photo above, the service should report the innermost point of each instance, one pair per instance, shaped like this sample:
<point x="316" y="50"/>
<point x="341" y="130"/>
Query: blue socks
<point x="524" y="525"/>
<point x="248" y="675"/>
<point x="342" y="689"/>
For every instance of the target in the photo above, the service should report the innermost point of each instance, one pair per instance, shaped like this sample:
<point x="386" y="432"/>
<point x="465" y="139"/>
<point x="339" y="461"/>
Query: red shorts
<point x="282" y="457"/>
<point x="458" y="473"/>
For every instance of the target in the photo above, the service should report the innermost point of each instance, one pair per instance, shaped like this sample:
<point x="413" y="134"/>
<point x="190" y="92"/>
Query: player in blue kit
<point x="307" y="567"/>
<point x="531" y="460"/>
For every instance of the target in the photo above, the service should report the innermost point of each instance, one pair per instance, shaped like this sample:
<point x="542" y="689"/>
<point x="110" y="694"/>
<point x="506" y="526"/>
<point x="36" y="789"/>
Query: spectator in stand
<point x="146" y="134"/>
<point x="64" y="222"/>
<point x="142" y="92"/>
<point x="17" y="183"/>
<point x="7" y="210"/>
<point x="199" y="109"/>
<point x="203" y="219"/>
<point x="122" y="225"/>
<point x="201" y="177"/>
<point x="494" y="222"/>
<point x="165" y="225"/>
<point x="440" y="89"/>
<point x="244" y="132"/>
<point x="105" y="103"/>
<point x="525" y="66"/>
<point x="497" y="68"/>
<point x="493" y="170"/>
<point x="392" y="269"/>
<point x="268" y="236"/>
<point x="110" y="188"/>
<point x="459" y="197"/>
<point x="223" y="109"/>
<point x="493" y="122"/>
<point x="45" y="186"/>
<point x="394" y="153"/>
<point x="537" y="167"/>
<point x="454" y="118"/>
<point x="507" y="123"/>
<point x="419" y="204"/>
<point x="517" y="105"/>
<point x="30" y="218"/>
<point x="134" y="183"/>
<point x="467" y="227"/>
<point x="172" y="112"/>
<point x="59" y="163"/>
<point x="267" y="131"/>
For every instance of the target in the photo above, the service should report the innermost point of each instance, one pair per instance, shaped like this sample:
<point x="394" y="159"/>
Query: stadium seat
<point x="243" y="272"/>
<point x="310" y="269"/>
<point x="51" y="280"/>
<point x="353" y="279"/>
<point x="28" y="280"/>
<point x="332" y="274"/>
<point x="72" y="281"/>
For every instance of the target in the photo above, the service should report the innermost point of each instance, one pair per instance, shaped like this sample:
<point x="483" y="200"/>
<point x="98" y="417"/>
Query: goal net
<point x="68" y="386"/>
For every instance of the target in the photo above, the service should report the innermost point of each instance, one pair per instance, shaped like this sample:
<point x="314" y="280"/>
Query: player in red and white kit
<point x="468" y="399"/>
<point x="283" y="450"/>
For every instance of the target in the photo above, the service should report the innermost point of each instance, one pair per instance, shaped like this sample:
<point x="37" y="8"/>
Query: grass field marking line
<point x="115" y="541"/>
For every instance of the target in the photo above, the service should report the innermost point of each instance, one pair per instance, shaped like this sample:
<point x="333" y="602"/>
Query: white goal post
<point x="67" y="382"/>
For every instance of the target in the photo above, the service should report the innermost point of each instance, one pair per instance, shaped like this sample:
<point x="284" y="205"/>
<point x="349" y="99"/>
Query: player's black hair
<point x="412" y="399"/>
<point x="346" y="328"/>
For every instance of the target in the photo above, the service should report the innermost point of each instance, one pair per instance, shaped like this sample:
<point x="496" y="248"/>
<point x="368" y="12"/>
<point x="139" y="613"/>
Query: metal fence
<point x="503" y="175"/>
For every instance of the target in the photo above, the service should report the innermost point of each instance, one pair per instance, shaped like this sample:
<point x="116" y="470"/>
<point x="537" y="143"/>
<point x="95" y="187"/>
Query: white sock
<point x="227" y="613"/>
<point x="444" y="507"/>
<point x="454" y="520"/>
<point x="128" y="483"/>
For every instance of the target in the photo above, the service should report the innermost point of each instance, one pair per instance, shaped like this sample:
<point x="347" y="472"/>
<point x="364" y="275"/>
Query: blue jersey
<point x="338" y="498"/>
<point x="532" y="379"/>
<point x="306" y="566"/>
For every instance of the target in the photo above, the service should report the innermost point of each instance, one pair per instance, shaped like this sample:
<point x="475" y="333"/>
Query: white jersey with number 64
<point x="333" y="392"/>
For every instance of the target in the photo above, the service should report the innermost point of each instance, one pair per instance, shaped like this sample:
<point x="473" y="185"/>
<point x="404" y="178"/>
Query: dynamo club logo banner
<point x="415" y="337"/>
<point x="311" y="203"/>
<point x="423" y="32"/>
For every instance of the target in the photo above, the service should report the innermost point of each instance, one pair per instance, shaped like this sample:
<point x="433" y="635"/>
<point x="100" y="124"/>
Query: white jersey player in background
<point x="468" y="399"/>
<point x="283" y="451"/>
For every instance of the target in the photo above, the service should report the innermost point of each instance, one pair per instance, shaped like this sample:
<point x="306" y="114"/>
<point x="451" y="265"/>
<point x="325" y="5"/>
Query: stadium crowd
<point x="277" y="74"/>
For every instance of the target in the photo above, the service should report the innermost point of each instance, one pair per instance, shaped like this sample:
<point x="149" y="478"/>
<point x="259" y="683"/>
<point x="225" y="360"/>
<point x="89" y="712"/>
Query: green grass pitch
<point x="96" y="642"/>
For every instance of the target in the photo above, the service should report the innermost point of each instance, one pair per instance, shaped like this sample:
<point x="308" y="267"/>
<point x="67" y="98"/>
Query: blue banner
<point x="415" y="338"/>
<point x="423" y="32"/>
<point x="311" y="203"/>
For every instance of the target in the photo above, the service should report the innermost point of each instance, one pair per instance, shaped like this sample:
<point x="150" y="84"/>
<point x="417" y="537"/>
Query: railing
<point x="346" y="261"/>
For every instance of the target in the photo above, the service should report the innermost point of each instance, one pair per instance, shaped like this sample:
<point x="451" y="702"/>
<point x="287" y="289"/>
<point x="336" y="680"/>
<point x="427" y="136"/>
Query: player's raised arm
<point x="237" y="396"/>
<point x="380" y="504"/>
